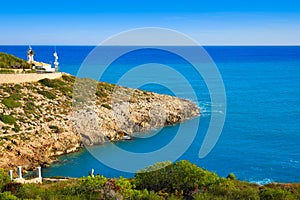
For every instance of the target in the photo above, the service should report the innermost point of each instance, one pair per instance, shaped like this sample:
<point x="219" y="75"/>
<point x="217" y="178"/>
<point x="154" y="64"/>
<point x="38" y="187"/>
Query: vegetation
<point x="181" y="180"/>
<point x="65" y="87"/>
<point x="6" y="71"/>
<point x="181" y="176"/>
<point x="166" y="180"/>
<point x="47" y="94"/>
<point x="9" y="61"/>
<point x="105" y="105"/>
<point x="7" y="119"/>
<point x="11" y="101"/>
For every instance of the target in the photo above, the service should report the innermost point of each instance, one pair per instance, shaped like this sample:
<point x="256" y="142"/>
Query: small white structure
<point x="30" y="55"/>
<point x="56" y="61"/>
<point x="19" y="170"/>
<point x="41" y="66"/>
<point x="20" y="178"/>
<point x="11" y="174"/>
<point x="39" y="172"/>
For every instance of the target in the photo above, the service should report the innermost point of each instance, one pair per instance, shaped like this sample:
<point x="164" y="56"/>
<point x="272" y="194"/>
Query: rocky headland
<point x="44" y="119"/>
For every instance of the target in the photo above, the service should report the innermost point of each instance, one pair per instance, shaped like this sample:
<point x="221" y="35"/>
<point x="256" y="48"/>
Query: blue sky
<point x="210" y="22"/>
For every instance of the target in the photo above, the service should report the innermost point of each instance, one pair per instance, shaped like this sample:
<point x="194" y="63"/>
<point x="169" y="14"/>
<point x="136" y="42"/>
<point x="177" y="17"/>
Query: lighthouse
<point x="30" y="55"/>
<point x="56" y="61"/>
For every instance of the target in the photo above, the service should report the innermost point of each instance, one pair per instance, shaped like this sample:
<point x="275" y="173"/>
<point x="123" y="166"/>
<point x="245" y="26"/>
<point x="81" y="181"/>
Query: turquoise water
<point x="260" y="141"/>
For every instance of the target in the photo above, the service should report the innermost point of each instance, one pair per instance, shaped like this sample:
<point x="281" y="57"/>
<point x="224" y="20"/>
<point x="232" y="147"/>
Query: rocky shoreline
<point x="41" y="120"/>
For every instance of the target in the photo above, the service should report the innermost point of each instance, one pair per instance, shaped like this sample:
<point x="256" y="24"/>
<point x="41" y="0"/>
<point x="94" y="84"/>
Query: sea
<point x="260" y="140"/>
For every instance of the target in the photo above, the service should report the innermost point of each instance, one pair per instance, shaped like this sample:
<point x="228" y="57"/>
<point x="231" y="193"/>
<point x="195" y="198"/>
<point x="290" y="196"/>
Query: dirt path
<point x="23" y="78"/>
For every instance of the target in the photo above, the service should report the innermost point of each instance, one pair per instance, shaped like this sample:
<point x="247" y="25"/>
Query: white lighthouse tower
<point x="30" y="55"/>
<point x="56" y="61"/>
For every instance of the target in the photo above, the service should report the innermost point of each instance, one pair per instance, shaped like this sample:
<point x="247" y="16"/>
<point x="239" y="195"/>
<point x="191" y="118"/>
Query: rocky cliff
<point x="44" y="119"/>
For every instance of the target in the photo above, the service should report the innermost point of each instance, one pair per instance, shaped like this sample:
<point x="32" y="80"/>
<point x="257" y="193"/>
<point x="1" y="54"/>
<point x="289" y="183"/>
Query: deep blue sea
<point x="260" y="141"/>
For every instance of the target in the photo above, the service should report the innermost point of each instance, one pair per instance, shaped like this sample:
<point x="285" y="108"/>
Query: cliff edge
<point x="44" y="119"/>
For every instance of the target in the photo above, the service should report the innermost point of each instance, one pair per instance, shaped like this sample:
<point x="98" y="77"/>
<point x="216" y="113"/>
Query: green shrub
<point x="101" y="94"/>
<point x="16" y="128"/>
<point x="124" y="187"/>
<point x="231" y="176"/>
<point x="56" y="129"/>
<point x="30" y="71"/>
<point x="12" y="187"/>
<point x="105" y="86"/>
<point x="68" y="78"/>
<point x="31" y="191"/>
<point x="275" y="194"/>
<point x="11" y="103"/>
<point x="105" y="105"/>
<point x="229" y="189"/>
<point x="4" y="179"/>
<point x="92" y="184"/>
<point x="7" y="119"/>
<point x="9" y="61"/>
<point x="59" y="85"/>
<point x="6" y="71"/>
<point x="180" y="176"/>
<point x="29" y="106"/>
<point x="47" y="94"/>
<point x="7" y="196"/>
<point x="53" y="83"/>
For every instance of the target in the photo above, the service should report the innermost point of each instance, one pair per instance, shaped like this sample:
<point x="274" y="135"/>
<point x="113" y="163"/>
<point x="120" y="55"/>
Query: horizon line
<point x="206" y="45"/>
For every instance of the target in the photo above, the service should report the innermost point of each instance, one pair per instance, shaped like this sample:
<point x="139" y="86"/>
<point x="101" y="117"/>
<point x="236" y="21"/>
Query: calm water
<point x="260" y="141"/>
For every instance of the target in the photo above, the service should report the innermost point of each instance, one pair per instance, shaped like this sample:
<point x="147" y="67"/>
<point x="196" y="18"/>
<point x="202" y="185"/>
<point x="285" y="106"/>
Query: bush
<point x="47" y="94"/>
<point x="56" y="129"/>
<point x="9" y="61"/>
<point x="6" y="71"/>
<point x="181" y="176"/>
<point x="12" y="187"/>
<point x="31" y="191"/>
<point x="48" y="82"/>
<point x="278" y="194"/>
<point x="29" y="106"/>
<point x="106" y="106"/>
<point x="125" y="187"/>
<point x="92" y="184"/>
<point x="68" y="78"/>
<point x="231" y="176"/>
<point x="7" y="196"/>
<point x="101" y="94"/>
<point x="16" y="128"/>
<point x="7" y="119"/>
<point x="59" y="85"/>
<point x="4" y="179"/>
<point x="11" y="103"/>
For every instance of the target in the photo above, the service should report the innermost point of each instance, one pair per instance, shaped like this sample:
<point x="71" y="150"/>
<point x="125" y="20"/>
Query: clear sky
<point x="210" y="22"/>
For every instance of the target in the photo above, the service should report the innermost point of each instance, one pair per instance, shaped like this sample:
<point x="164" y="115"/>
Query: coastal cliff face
<point x="41" y="120"/>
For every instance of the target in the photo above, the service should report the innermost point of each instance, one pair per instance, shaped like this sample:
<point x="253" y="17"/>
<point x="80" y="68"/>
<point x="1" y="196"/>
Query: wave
<point x="206" y="108"/>
<point x="262" y="182"/>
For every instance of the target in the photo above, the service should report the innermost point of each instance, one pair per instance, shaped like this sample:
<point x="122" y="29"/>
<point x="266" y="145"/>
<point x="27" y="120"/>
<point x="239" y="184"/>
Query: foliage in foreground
<point x="9" y="61"/>
<point x="180" y="180"/>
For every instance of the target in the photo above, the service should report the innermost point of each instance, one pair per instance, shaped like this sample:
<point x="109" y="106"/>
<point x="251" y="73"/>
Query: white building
<point x="41" y="66"/>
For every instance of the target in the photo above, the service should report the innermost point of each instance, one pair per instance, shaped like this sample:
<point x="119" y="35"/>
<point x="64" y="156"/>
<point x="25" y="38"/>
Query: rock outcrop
<point x="41" y="120"/>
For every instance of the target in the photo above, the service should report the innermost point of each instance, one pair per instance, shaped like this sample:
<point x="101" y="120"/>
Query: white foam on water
<point x="262" y="182"/>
